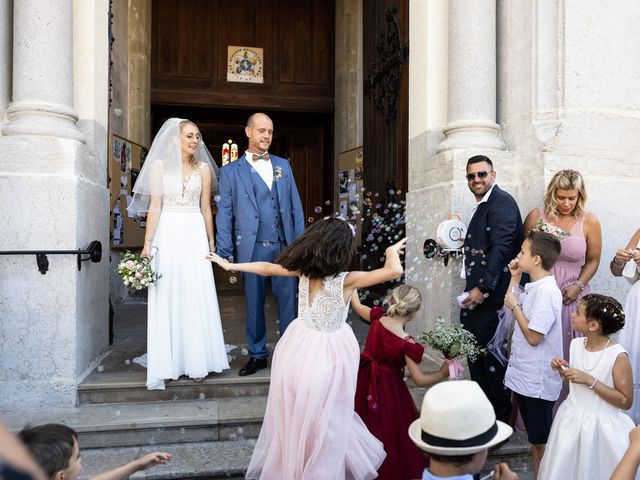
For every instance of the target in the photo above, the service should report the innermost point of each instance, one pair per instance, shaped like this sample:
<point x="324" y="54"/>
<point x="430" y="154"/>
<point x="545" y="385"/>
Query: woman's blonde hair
<point x="565" y="180"/>
<point x="403" y="300"/>
<point x="194" y="158"/>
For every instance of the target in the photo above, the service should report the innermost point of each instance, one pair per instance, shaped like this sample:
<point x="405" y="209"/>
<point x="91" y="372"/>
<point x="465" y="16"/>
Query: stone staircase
<point x="210" y="428"/>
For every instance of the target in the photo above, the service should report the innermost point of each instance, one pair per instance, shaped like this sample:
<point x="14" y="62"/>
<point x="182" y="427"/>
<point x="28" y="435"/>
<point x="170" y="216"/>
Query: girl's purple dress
<point x="566" y="272"/>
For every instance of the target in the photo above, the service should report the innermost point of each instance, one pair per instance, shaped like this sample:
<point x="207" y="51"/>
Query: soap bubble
<point x="233" y="280"/>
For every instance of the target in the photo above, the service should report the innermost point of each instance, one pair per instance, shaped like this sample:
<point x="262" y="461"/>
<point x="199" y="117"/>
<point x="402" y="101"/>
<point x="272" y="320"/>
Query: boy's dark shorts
<point x="538" y="417"/>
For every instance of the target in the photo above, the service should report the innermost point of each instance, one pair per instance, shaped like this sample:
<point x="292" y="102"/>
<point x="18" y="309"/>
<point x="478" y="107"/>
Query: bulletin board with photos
<point x="350" y="183"/>
<point x="125" y="161"/>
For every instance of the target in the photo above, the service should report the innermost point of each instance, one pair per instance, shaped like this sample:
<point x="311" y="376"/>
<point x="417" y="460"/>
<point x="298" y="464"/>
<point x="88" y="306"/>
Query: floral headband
<point x="340" y="217"/>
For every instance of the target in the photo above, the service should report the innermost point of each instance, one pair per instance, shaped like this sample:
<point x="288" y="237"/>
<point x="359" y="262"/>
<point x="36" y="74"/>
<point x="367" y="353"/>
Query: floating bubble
<point x="327" y="202"/>
<point x="310" y="219"/>
<point x="233" y="279"/>
<point x="202" y="396"/>
<point x="217" y="198"/>
<point x="127" y="362"/>
<point x="244" y="351"/>
<point x="100" y="369"/>
<point x="492" y="369"/>
<point x="376" y="302"/>
<point x="318" y="209"/>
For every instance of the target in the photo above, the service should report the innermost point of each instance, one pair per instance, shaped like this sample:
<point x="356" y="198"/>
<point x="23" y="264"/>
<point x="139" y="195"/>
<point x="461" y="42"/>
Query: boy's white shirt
<point x="529" y="371"/>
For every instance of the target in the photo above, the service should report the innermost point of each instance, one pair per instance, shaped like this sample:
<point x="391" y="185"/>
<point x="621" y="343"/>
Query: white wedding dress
<point x="184" y="329"/>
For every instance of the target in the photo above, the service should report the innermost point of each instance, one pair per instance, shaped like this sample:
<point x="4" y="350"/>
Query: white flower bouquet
<point x="546" y="227"/>
<point x="135" y="271"/>
<point x="454" y="342"/>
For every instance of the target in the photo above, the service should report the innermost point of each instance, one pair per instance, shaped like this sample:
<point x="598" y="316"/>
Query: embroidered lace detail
<point x="189" y="200"/>
<point x="328" y="311"/>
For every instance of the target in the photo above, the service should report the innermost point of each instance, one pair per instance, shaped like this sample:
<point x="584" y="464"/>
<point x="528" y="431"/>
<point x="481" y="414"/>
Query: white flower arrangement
<point x="135" y="271"/>
<point x="453" y="341"/>
<point x="277" y="173"/>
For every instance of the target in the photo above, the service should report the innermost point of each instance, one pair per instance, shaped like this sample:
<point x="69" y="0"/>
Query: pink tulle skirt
<point x="310" y="429"/>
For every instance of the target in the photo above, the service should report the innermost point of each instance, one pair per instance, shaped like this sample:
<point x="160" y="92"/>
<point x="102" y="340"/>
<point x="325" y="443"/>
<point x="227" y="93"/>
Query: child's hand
<point x="510" y="299"/>
<point x="578" y="376"/>
<point x="559" y="365"/>
<point x="155" y="458"/>
<point x="218" y="260"/>
<point x="502" y="472"/>
<point x="514" y="268"/>
<point x="398" y="248"/>
<point x="444" y="370"/>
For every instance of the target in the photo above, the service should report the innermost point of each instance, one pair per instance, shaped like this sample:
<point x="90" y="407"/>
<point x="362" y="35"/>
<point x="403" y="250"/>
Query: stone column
<point x="472" y="77"/>
<point x="5" y="54"/>
<point x="42" y="70"/>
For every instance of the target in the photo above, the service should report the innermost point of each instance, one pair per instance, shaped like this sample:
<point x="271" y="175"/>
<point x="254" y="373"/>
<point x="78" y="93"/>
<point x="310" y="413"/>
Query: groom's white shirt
<point x="263" y="167"/>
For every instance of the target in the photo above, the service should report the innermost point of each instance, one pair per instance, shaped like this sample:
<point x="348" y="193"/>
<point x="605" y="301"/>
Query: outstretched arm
<point x="363" y="311"/>
<point x="422" y="379"/>
<point x="628" y="466"/>
<point x="128" y="469"/>
<point x="265" y="269"/>
<point x="392" y="269"/>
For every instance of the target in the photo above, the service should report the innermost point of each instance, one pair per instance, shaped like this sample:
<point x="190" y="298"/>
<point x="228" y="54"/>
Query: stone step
<point x="155" y="423"/>
<point x="130" y="387"/>
<point x="204" y="460"/>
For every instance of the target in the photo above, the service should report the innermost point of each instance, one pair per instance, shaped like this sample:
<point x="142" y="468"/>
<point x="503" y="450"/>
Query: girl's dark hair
<point x="327" y="247"/>
<point x="605" y="310"/>
<point x="51" y="445"/>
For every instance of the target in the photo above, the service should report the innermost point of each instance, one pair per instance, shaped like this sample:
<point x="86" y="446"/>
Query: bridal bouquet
<point x="543" y="226"/>
<point x="135" y="271"/>
<point x="454" y="342"/>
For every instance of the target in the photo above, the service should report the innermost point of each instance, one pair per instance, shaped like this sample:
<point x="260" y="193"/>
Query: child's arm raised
<point x="621" y="395"/>
<point x="125" y="471"/>
<point x="259" y="268"/>
<point x="363" y="311"/>
<point x="392" y="269"/>
<point x="422" y="379"/>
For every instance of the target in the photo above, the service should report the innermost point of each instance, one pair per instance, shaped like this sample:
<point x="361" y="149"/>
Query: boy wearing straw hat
<point x="456" y="428"/>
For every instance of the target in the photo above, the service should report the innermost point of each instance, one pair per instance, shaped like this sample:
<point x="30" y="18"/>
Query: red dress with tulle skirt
<point x="383" y="400"/>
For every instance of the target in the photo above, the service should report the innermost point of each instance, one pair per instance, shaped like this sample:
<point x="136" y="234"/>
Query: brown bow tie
<point x="264" y="156"/>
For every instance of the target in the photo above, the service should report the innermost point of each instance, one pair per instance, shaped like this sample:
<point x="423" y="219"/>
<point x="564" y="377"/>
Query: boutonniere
<point x="277" y="173"/>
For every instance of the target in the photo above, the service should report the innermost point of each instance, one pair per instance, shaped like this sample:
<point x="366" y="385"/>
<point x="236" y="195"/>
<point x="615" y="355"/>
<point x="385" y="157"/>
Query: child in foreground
<point x="537" y="338"/>
<point x="589" y="433"/>
<point x="55" y="448"/>
<point x="383" y="400"/>
<point x="310" y="428"/>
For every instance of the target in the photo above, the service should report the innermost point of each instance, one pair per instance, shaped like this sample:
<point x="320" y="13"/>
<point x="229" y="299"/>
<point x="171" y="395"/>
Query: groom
<point x="259" y="213"/>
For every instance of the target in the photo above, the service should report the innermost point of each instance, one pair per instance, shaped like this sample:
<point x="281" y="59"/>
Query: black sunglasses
<point x="482" y="174"/>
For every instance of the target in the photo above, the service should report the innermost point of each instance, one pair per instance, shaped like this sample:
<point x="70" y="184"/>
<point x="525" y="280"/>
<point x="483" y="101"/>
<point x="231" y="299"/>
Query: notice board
<point x="350" y="183"/>
<point x="125" y="161"/>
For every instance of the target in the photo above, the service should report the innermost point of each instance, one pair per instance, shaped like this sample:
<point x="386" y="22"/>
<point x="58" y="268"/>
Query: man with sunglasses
<point x="493" y="238"/>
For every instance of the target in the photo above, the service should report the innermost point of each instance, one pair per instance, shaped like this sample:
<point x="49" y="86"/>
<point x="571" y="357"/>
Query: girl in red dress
<point x="382" y="399"/>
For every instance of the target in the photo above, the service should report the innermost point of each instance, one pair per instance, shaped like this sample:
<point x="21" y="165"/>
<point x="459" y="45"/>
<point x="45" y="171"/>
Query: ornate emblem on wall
<point x="244" y="64"/>
<point x="383" y="83"/>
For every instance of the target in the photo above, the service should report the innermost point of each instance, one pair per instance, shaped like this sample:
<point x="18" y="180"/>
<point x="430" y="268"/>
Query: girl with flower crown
<point x="310" y="428"/>
<point x="590" y="432"/>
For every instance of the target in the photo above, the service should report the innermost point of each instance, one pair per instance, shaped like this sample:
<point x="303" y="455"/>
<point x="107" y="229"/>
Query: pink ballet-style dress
<point x="310" y="429"/>
<point x="566" y="272"/>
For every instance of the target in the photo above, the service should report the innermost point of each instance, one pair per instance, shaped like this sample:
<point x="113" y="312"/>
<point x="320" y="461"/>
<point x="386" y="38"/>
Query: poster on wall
<point x="244" y="64"/>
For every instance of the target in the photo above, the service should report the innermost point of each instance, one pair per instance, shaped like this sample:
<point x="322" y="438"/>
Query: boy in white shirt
<point x="537" y="337"/>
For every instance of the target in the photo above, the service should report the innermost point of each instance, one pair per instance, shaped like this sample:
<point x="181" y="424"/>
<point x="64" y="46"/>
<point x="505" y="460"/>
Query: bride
<point x="173" y="189"/>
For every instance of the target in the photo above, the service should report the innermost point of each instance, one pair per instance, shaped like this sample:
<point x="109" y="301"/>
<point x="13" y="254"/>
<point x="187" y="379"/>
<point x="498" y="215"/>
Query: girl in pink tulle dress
<point x="310" y="429"/>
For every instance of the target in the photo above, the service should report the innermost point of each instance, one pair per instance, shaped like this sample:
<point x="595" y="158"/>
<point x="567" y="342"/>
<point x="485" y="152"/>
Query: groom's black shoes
<point x="252" y="366"/>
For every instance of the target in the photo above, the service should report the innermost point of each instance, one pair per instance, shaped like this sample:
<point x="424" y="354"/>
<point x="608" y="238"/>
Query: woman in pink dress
<point x="581" y="238"/>
<point x="311" y="430"/>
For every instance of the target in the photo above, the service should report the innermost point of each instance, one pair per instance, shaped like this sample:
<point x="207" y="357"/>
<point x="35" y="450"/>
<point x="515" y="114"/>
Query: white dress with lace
<point x="310" y="429"/>
<point x="184" y="330"/>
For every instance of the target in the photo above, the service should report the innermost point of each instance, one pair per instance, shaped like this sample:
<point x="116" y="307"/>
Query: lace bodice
<point x="189" y="200"/>
<point x="327" y="312"/>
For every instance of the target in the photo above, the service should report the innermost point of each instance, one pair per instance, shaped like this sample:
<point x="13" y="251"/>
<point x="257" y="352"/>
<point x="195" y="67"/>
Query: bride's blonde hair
<point x="403" y="300"/>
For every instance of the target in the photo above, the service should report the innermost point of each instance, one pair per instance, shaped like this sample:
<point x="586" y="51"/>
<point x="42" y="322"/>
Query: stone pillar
<point x="472" y="77"/>
<point x="6" y="12"/>
<point x="53" y="196"/>
<point x="42" y="69"/>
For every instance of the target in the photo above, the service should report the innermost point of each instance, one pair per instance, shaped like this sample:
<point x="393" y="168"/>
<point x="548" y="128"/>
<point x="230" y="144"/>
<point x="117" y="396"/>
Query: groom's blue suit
<point x="254" y="223"/>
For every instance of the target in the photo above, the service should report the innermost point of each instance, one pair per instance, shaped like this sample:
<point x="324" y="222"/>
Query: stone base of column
<point x="426" y="209"/>
<point x="470" y="134"/>
<point x="42" y="118"/>
<point x="54" y="326"/>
